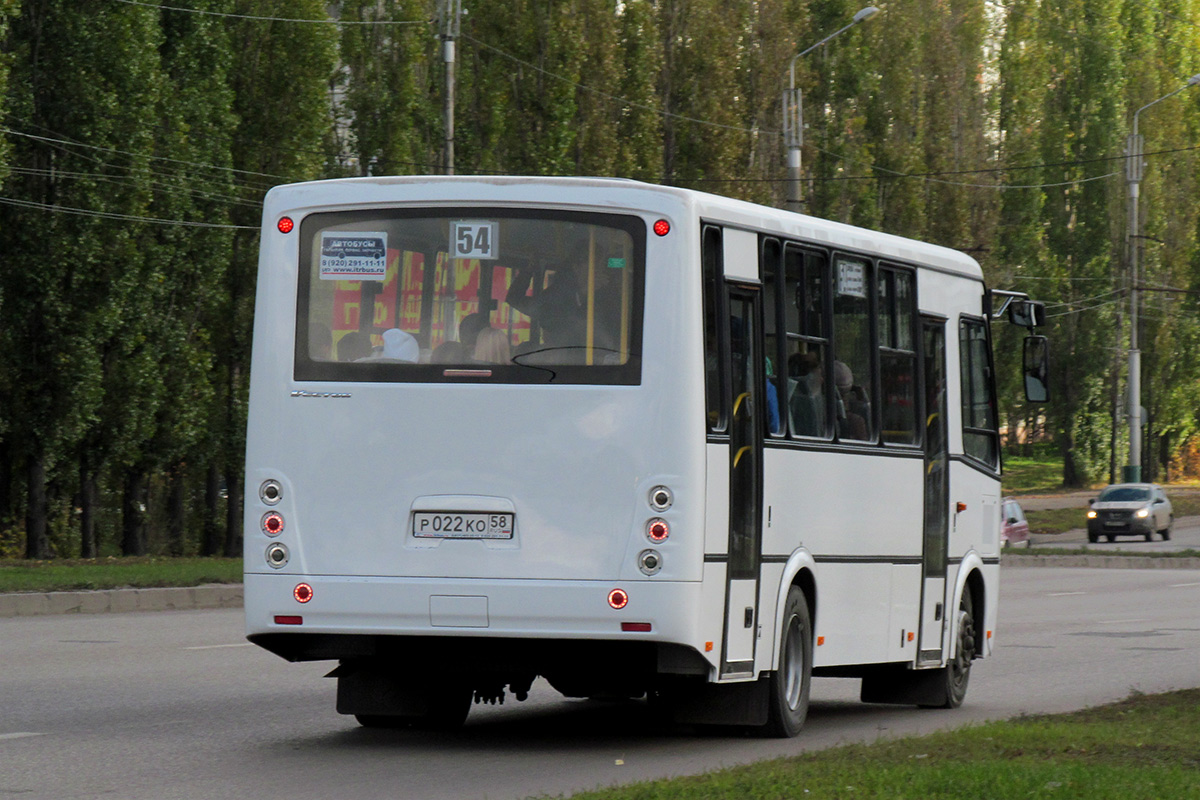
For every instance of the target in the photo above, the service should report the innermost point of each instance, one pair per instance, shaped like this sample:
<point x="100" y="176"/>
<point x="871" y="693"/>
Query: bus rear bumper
<point x="346" y="614"/>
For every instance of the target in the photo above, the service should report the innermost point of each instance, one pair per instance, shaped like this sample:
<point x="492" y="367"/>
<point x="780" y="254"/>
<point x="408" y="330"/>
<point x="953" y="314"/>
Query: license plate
<point x="454" y="525"/>
<point x="1114" y="523"/>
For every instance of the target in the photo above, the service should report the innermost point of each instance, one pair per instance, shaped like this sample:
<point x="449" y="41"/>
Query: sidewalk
<point x="213" y="595"/>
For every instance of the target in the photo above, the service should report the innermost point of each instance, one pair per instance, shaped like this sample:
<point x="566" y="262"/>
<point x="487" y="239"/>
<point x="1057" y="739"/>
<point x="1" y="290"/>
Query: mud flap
<point x="900" y="685"/>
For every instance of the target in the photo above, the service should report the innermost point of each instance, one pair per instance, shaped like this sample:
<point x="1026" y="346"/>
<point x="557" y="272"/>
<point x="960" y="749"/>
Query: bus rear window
<point x="498" y="295"/>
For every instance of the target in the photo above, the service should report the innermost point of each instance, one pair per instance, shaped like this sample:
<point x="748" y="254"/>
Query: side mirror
<point x="1027" y="313"/>
<point x="1091" y="500"/>
<point x="1037" y="369"/>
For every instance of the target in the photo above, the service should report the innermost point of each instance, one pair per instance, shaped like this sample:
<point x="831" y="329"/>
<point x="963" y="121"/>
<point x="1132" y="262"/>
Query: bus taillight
<point x="272" y="523"/>
<point x="618" y="598"/>
<point x="662" y="228"/>
<point x="657" y="530"/>
<point x="303" y="593"/>
<point x="285" y="225"/>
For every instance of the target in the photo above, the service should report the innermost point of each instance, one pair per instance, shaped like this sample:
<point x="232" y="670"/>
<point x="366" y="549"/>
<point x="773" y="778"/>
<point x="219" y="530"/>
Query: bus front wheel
<point x="791" y="682"/>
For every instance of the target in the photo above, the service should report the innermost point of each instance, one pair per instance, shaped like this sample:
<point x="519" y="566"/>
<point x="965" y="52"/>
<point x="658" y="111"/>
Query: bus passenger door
<point x="746" y="421"/>
<point x="937" y="494"/>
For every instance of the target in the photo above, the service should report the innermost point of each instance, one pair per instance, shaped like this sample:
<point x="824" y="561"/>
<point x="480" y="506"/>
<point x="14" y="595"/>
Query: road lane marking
<point x="1064" y="594"/>
<point x="1182" y="585"/>
<point x="219" y="646"/>
<point x="1119" y="621"/>
<point x="19" y="735"/>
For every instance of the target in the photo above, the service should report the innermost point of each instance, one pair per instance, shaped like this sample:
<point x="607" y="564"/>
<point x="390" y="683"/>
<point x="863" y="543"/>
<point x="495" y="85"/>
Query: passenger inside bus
<point x="491" y="347"/>
<point x="806" y="401"/>
<point x="852" y="404"/>
<point x="558" y="309"/>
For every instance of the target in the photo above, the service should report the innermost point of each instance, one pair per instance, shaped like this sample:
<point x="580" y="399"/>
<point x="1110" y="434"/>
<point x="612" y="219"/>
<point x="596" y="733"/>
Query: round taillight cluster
<point x="271" y="492"/>
<point x="272" y="523"/>
<point x="662" y="227"/>
<point x="303" y="593"/>
<point x="650" y="562"/>
<point x="657" y="530"/>
<point x="618" y="598"/>
<point x="285" y="224"/>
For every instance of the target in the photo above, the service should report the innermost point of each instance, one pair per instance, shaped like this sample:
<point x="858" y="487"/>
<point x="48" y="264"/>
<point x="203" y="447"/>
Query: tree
<point x="81" y="76"/>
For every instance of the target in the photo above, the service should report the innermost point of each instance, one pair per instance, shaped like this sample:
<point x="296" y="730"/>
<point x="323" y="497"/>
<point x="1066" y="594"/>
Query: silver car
<point x="1130" y="509"/>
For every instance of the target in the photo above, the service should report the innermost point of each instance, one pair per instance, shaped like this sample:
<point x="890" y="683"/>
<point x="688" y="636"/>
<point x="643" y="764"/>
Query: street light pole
<point x="1133" y="174"/>
<point x="793" y="115"/>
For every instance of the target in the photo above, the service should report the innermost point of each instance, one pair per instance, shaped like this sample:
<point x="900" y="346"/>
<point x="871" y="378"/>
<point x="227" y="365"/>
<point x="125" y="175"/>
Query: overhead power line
<point x="326" y="21"/>
<point x="83" y="212"/>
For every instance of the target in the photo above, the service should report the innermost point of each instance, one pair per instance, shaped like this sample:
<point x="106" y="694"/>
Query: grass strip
<point x="67" y="575"/>
<point x="1147" y="746"/>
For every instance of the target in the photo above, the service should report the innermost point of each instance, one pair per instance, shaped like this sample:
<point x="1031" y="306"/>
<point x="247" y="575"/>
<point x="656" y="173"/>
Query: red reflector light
<point x="662" y="228"/>
<point x="617" y="598"/>
<point x="303" y="593"/>
<point x="284" y="619"/>
<point x="636" y="627"/>
<point x="285" y="225"/>
<point x="272" y="523"/>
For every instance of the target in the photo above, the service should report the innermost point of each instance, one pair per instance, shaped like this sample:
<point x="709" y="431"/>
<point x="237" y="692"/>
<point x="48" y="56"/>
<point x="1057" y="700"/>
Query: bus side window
<point x="773" y="334"/>
<point x="980" y="436"/>
<point x="897" y="356"/>
<point x="711" y="254"/>
<point x="852" y="341"/>
<point x="806" y="349"/>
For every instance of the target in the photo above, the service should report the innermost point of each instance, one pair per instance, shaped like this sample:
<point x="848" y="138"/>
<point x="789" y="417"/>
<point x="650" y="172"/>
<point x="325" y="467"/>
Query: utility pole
<point x="1133" y="175"/>
<point x="450" y="13"/>
<point x="793" y="115"/>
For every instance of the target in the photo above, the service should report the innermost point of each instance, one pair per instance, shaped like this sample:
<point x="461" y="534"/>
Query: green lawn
<point x="112" y="573"/>
<point x="1145" y="747"/>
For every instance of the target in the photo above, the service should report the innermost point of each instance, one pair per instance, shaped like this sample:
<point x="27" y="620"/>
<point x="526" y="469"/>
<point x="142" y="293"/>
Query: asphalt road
<point x="175" y="704"/>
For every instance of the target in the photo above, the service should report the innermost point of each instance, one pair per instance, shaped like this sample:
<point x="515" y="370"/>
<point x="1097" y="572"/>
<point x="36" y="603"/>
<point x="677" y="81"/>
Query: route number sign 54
<point x="474" y="239"/>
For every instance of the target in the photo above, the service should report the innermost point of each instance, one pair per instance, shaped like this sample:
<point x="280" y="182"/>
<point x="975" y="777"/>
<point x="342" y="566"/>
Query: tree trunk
<point x="6" y="485"/>
<point x="133" y="513"/>
<point x="233" y="511"/>
<point x="212" y="501"/>
<point x="36" y="544"/>
<point x="87" y="511"/>
<point x="176" y="515"/>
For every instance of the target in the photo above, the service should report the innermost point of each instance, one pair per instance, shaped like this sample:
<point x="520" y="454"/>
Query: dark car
<point x="1130" y="509"/>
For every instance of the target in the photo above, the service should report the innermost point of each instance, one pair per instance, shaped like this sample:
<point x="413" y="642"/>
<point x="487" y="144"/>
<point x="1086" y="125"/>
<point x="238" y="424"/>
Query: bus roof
<point x="617" y="193"/>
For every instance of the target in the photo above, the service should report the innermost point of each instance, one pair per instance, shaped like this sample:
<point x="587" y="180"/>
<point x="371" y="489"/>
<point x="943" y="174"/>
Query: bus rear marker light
<point x="618" y="598"/>
<point x="271" y="492"/>
<point x="303" y="593"/>
<point x="288" y="619"/>
<point x="277" y="555"/>
<point x="657" y="530"/>
<point x="285" y="224"/>
<point x="662" y="228"/>
<point x="636" y="627"/>
<point x="661" y="498"/>
<point x="272" y="523"/>
<point x="649" y="562"/>
<point x="820" y="641"/>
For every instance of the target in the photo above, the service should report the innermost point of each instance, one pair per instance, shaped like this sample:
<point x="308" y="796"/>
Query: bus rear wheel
<point x="792" y="680"/>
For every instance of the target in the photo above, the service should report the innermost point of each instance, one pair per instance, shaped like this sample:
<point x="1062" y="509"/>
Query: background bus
<point x="632" y="439"/>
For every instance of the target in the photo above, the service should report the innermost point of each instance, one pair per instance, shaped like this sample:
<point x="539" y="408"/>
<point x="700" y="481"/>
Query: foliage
<point x="993" y="128"/>
<point x="64" y="575"/>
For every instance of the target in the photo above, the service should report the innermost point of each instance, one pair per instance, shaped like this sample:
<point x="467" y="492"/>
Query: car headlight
<point x="1142" y="513"/>
<point x="1091" y="514"/>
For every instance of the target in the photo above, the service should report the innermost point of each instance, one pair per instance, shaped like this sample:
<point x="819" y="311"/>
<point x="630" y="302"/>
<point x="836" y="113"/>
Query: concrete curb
<point x="31" y="604"/>
<point x="1099" y="561"/>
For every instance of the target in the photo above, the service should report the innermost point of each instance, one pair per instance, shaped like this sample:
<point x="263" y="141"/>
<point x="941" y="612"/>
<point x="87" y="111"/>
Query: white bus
<point x="635" y="440"/>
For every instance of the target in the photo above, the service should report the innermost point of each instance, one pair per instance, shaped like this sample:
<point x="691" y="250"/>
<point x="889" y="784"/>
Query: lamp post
<point x="793" y="116"/>
<point x="1133" y="175"/>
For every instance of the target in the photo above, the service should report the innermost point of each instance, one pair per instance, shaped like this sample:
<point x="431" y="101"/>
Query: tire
<point x="1166" y="532"/>
<point x="956" y="675"/>
<point x="791" y="683"/>
<point x="1149" y="536"/>
<point x="1093" y="537"/>
<point x="1112" y="537"/>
